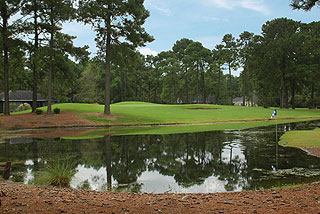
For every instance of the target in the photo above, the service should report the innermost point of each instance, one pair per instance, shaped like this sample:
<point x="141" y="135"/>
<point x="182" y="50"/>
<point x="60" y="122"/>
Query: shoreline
<point x="314" y="151"/>
<point x="72" y="120"/>
<point x="31" y="122"/>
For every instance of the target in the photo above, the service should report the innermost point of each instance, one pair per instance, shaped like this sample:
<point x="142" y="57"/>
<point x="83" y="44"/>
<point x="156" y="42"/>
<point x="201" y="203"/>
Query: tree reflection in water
<point x="194" y="162"/>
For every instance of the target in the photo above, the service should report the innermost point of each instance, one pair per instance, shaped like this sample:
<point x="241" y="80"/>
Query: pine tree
<point x="114" y="22"/>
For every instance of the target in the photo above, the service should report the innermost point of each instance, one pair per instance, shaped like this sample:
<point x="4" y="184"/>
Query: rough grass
<point x="57" y="174"/>
<point x="303" y="138"/>
<point x="129" y="113"/>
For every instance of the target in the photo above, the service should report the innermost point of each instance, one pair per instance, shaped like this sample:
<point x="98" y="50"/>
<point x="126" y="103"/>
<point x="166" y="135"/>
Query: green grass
<point x="131" y="113"/>
<point x="194" y="118"/>
<point x="192" y="128"/>
<point x="174" y="129"/>
<point x="303" y="138"/>
<point x="155" y="113"/>
<point x="58" y="173"/>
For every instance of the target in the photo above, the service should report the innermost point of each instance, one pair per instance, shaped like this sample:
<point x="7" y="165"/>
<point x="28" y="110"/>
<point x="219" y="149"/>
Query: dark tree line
<point x="285" y="63"/>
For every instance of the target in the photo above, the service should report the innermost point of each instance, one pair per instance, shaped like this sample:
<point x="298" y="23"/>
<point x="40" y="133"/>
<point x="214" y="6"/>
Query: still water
<point x="217" y="161"/>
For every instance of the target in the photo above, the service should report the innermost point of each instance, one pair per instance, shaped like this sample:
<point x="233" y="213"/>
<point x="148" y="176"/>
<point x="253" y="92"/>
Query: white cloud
<point x="160" y="6"/>
<point x="76" y="28"/>
<point x="147" y="51"/>
<point x="255" y="5"/>
<point x="213" y="19"/>
<point x="227" y="4"/>
<point x="209" y="41"/>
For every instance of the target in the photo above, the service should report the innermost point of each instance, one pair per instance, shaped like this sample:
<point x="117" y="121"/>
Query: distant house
<point x="238" y="101"/>
<point x="19" y="97"/>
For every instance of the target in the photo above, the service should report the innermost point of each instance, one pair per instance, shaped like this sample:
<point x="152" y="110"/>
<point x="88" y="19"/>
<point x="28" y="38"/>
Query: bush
<point x="58" y="173"/>
<point x="56" y="111"/>
<point x="23" y="107"/>
<point x="38" y="111"/>
<point x="17" y="177"/>
<point x="85" y="185"/>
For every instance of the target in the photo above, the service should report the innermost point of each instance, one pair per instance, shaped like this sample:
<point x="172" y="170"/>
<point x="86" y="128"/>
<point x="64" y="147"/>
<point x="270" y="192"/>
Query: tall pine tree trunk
<point x="286" y="97"/>
<point x="35" y="59"/>
<point x="121" y="86"/>
<point x="108" y="161"/>
<point x="244" y="90"/>
<point x="4" y="33"/>
<point x="149" y="91"/>
<point x="203" y="85"/>
<point x="282" y="83"/>
<point x="125" y="85"/>
<point x="230" y="83"/>
<point x="219" y="85"/>
<point x="312" y="95"/>
<point x="197" y="84"/>
<point x="51" y="69"/>
<point x="293" y="93"/>
<point x="174" y="92"/>
<point x="281" y="93"/>
<point x="107" y="81"/>
<point x="187" y="85"/>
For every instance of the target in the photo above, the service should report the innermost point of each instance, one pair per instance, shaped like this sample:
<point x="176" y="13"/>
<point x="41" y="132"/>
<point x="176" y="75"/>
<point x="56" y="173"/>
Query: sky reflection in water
<point x="180" y="163"/>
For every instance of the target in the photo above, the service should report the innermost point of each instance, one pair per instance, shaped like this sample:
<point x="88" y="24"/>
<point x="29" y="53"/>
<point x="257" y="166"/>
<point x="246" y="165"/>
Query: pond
<point x="204" y="162"/>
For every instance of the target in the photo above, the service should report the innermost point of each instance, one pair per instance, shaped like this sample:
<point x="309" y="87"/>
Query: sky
<point x="206" y="21"/>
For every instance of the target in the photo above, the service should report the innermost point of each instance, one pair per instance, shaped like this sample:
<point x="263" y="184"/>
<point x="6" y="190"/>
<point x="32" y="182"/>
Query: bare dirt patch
<point x="18" y="198"/>
<point x="314" y="151"/>
<point x="32" y="120"/>
<point x="53" y="132"/>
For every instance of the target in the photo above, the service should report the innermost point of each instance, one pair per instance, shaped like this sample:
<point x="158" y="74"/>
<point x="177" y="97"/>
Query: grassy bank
<point x="176" y="129"/>
<point x="132" y="113"/>
<point x="149" y="118"/>
<point x="304" y="138"/>
<point x="132" y="118"/>
<point x="141" y="117"/>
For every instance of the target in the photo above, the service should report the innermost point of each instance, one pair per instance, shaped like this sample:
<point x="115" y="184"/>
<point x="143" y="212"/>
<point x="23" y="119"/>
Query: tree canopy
<point x="304" y="4"/>
<point x="115" y="22"/>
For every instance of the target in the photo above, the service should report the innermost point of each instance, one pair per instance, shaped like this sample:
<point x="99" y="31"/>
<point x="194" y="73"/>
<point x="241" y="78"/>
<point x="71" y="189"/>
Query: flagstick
<point x="277" y="149"/>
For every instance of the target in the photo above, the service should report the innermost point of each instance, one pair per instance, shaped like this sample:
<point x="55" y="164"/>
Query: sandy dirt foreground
<point x="18" y="198"/>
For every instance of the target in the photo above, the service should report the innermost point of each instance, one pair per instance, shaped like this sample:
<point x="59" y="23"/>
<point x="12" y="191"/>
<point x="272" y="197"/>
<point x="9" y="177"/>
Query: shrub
<point x="17" y="177"/>
<point x="38" y="111"/>
<point x="85" y="185"/>
<point x="23" y="107"/>
<point x="56" y="111"/>
<point x="58" y="173"/>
